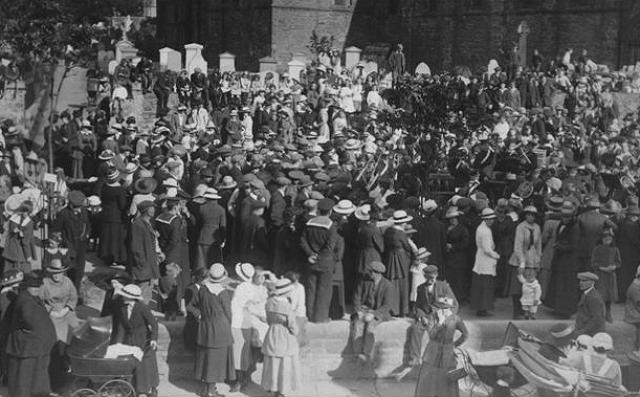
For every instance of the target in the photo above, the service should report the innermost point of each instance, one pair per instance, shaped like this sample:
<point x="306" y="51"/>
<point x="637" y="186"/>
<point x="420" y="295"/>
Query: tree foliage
<point x="320" y="45"/>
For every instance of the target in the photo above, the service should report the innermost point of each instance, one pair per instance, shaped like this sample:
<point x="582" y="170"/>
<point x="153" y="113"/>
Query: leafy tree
<point x="319" y="46"/>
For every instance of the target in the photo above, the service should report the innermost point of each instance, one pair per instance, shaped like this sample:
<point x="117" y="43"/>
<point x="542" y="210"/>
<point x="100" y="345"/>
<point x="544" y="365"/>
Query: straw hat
<point x="344" y="207"/>
<point x="245" y="271"/>
<point x="56" y="267"/>
<point x="228" y="182"/>
<point x="282" y="287"/>
<point x="211" y="194"/>
<point x="131" y="291"/>
<point x="363" y="212"/>
<point x="217" y="273"/>
<point x="488" y="214"/>
<point x="401" y="216"/>
<point x="452" y="212"/>
<point x="106" y="154"/>
<point x="422" y="253"/>
<point x="145" y="185"/>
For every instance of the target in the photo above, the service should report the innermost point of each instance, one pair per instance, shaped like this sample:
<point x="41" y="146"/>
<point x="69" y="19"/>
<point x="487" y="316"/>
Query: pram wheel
<point x="84" y="393"/>
<point x="116" y="388"/>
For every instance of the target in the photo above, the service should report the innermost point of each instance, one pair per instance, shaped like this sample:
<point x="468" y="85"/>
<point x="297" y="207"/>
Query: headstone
<point x="104" y="57"/>
<point x="125" y="50"/>
<point x="193" y="58"/>
<point x="523" y="31"/>
<point x="423" y="69"/>
<point x="295" y="67"/>
<point x="170" y="59"/>
<point x="227" y="62"/>
<point x="268" y="64"/>
<point x="351" y="56"/>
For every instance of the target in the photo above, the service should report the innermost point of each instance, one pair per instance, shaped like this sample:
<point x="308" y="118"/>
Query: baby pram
<point x="96" y="376"/>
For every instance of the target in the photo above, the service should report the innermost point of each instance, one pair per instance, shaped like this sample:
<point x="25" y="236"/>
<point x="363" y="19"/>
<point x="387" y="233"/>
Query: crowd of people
<point x="333" y="194"/>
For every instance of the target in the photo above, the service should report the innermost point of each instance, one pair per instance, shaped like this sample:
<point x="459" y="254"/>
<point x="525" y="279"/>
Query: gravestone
<point x="170" y="59"/>
<point x="125" y="50"/>
<point x="295" y="67"/>
<point x="193" y="58"/>
<point x="523" y="31"/>
<point x="104" y="57"/>
<point x="423" y="69"/>
<point x="227" y="62"/>
<point x="268" y="64"/>
<point x="351" y="57"/>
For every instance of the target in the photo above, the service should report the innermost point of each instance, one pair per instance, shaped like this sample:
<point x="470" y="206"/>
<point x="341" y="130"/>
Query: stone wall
<point x="442" y="33"/>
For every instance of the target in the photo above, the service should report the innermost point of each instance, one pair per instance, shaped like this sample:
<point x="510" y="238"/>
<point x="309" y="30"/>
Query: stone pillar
<point x="193" y="58"/>
<point x="295" y="67"/>
<point x="523" y="31"/>
<point x="170" y="59"/>
<point x="351" y="57"/>
<point x="227" y="62"/>
<point x="125" y="50"/>
<point x="268" y="64"/>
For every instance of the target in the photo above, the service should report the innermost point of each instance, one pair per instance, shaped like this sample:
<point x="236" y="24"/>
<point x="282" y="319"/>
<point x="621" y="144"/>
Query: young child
<point x="172" y="292"/>
<point x="531" y="292"/>
<point x="605" y="259"/>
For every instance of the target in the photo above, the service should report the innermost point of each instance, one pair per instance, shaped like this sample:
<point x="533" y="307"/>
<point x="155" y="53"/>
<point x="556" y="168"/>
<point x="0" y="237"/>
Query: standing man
<point x="172" y="236"/>
<point x="428" y="293"/>
<point x="590" y="318"/>
<point x="145" y="252"/>
<point x="73" y="224"/>
<point x="318" y="241"/>
<point x="591" y="224"/>
<point x="484" y="268"/>
<point x="277" y="205"/>
<point x="397" y="64"/>
<point x="212" y="223"/>
<point x="29" y="342"/>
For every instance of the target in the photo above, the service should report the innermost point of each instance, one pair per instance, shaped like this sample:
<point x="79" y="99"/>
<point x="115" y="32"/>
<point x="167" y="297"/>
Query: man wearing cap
<point x="590" y="317"/>
<point x="277" y="205"/>
<point x="145" y="251"/>
<point x="372" y="304"/>
<point x="319" y="239"/>
<point x="428" y="293"/>
<point x="172" y="236"/>
<point x="30" y="339"/>
<point x="73" y="224"/>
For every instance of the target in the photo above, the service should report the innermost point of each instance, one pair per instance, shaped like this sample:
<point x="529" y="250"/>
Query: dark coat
<point x="590" y="318"/>
<point x="397" y="253"/>
<point x="214" y="312"/>
<point x="628" y="242"/>
<point x="562" y="295"/>
<point x="173" y="241"/>
<point x="590" y="225"/>
<point x="144" y="259"/>
<point x="75" y="229"/>
<point x="370" y="243"/>
<point x="433" y="236"/>
<point x="276" y="209"/>
<point x="254" y="247"/>
<point x="137" y="330"/>
<point x="31" y="332"/>
<point x="319" y="237"/>
<point x="458" y="237"/>
<point x="377" y="298"/>
<point x="212" y="220"/>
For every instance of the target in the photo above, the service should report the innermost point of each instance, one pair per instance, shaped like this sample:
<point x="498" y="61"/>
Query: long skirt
<point x="401" y="296"/>
<point x="215" y="364"/>
<point x="281" y="374"/>
<point x="512" y="286"/>
<point x="28" y="377"/>
<point x="112" y="243"/>
<point x="242" y="356"/>
<point x="482" y="292"/>
<point x="432" y="379"/>
<point x="145" y="377"/>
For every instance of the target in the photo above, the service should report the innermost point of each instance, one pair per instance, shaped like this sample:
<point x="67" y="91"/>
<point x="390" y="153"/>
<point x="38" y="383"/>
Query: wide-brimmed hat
<point x="443" y="303"/>
<point x="282" y="287"/>
<point x="227" y="182"/>
<point x="560" y="334"/>
<point x="567" y="209"/>
<point x="344" y="207"/>
<point x="211" y="194"/>
<point x="363" y="212"/>
<point x="131" y="291"/>
<point x="352" y="144"/>
<point x="106" y="154"/>
<point x="530" y="209"/>
<point x="145" y="185"/>
<point x="592" y="203"/>
<point x="11" y="277"/>
<point x="422" y="253"/>
<point x="487" y="214"/>
<point x="525" y="190"/>
<point x="217" y="273"/>
<point x="554" y="203"/>
<point x="452" y="212"/>
<point x="56" y="266"/>
<point x="245" y="271"/>
<point x="401" y="216"/>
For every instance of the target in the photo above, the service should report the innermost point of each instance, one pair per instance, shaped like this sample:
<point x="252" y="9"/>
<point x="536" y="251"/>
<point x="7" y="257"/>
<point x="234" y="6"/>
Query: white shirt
<point x="298" y="300"/>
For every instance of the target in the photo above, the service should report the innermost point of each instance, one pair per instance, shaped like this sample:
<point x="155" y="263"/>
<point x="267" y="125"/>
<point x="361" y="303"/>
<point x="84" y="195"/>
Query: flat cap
<point x="377" y="267"/>
<point x="588" y="276"/>
<point x="325" y="204"/>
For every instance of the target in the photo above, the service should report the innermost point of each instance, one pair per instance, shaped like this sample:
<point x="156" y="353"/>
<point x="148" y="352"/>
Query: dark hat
<point x="145" y="185"/>
<point x="143" y="206"/>
<point x="282" y="181"/>
<point x="33" y="279"/>
<point x="296" y="174"/>
<point x="377" y="267"/>
<point x="430" y="269"/>
<point x="77" y="198"/>
<point x="325" y="204"/>
<point x="560" y="334"/>
<point x="207" y="172"/>
<point x="56" y="266"/>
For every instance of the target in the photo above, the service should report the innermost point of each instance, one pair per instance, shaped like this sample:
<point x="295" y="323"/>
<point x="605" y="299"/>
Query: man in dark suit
<point x="145" y="255"/>
<point x="428" y="294"/>
<point x="372" y="304"/>
<point x="319" y="238"/>
<point x="29" y="342"/>
<point x="590" y="318"/>
<point x="277" y="205"/>
<point x="212" y="221"/>
<point x="73" y="223"/>
<point x="591" y="224"/>
<point x="172" y="237"/>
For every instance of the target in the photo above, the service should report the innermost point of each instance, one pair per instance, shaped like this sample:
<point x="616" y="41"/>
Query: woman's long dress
<point x="370" y="243"/>
<point x="398" y="257"/>
<point x="113" y="229"/>
<point x="439" y="358"/>
<point x="628" y="242"/>
<point x="562" y="295"/>
<point x="281" y="370"/>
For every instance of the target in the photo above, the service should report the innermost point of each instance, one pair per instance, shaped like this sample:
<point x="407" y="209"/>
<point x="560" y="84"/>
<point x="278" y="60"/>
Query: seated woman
<point x="597" y="362"/>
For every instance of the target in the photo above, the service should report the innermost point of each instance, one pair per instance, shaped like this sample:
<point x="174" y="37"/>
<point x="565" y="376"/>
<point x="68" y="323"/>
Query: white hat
<point x="363" y="212"/>
<point x="602" y="340"/>
<point x="429" y="205"/>
<point x="217" y="273"/>
<point x="344" y="207"/>
<point x="131" y="291"/>
<point x="401" y="216"/>
<point x="487" y="214"/>
<point x="211" y="194"/>
<point x="245" y="271"/>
